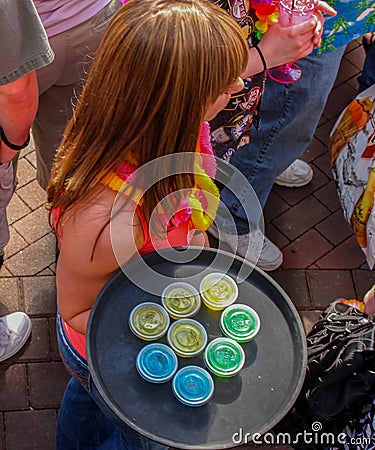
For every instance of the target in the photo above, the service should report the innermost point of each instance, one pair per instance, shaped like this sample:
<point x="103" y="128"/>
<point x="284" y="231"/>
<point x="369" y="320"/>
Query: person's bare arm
<point x="18" y="106"/>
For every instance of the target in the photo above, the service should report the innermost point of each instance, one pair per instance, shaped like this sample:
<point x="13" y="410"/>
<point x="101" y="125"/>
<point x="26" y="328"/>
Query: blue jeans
<point x="85" y="422"/>
<point x="289" y="116"/>
<point x="367" y="77"/>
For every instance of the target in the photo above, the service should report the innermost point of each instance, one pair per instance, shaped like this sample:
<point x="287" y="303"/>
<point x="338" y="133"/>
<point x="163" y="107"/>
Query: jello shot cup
<point x="156" y="363"/>
<point x="218" y="291"/>
<point x="181" y="300"/>
<point x="187" y="337"/>
<point x="149" y="321"/>
<point x="224" y="357"/>
<point x="193" y="386"/>
<point x="239" y="322"/>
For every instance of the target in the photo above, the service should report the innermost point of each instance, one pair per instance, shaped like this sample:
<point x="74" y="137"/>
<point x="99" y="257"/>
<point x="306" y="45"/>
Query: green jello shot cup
<point x="239" y="322"/>
<point x="224" y="357"/>
<point x="181" y="300"/>
<point x="187" y="337"/>
<point x="149" y="321"/>
<point x="218" y="291"/>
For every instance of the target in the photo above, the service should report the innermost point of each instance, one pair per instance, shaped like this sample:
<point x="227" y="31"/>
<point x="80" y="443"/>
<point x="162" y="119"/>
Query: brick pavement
<point x="321" y="262"/>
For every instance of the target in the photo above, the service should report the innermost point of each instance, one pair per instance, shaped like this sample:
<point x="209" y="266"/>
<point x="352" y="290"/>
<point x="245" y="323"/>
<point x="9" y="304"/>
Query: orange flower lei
<point x="267" y="12"/>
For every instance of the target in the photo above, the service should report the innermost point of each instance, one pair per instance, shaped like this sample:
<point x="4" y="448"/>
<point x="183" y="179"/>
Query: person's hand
<point x="322" y="7"/>
<point x="281" y="45"/>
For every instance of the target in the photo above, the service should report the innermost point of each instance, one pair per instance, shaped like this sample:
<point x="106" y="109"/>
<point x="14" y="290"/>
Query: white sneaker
<point x="298" y="174"/>
<point x="254" y="247"/>
<point x="15" y="329"/>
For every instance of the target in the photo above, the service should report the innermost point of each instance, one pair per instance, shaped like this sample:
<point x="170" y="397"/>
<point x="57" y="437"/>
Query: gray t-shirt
<point x="24" y="45"/>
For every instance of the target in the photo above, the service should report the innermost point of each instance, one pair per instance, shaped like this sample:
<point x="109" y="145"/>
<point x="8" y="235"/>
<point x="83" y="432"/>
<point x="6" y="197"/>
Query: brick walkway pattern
<point x="321" y="262"/>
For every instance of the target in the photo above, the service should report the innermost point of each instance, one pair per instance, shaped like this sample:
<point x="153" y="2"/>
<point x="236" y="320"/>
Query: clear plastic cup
<point x="149" y="321"/>
<point x="224" y="357"/>
<point x="218" y="290"/>
<point x="187" y="337"/>
<point x="181" y="300"/>
<point x="193" y="386"/>
<point x="239" y="322"/>
<point x="156" y="363"/>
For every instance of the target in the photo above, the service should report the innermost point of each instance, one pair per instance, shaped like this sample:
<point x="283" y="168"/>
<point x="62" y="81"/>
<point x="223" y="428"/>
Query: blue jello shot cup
<point x="193" y="386"/>
<point x="156" y="363"/>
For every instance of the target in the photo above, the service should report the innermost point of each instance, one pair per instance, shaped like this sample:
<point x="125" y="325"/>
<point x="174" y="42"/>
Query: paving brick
<point x="4" y="273"/>
<point x="323" y="163"/>
<point x="47" y="384"/>
<point x="346" y="255"/>
<point x="341" y="96"/>
<point x="15" y="244"/>
<point x="13" y="382"/>
<point x="364" y="280"/>
<point x="16" y="209"/>
<point x="301" y="217"/>
<point x="2" y="437"/>
<point x="38" y="349"/>
<point x="305" y="250"/>
<point x="275" y="236"/>
<point x="357" y="57"/>
<point x="334" y="228"/>
<point x="327" y="285"/>
<point x="9" y="295"/>
<point x="309" y="318"/>
<point x="327" y="195"/>
<point x="25" y="172"/>
<point x="39" y="295"/>
<point x="323" y="132"/>
<point x="30" y="430"/>
<point x="34" y="226"/>
<point x="54" y="347"/>
<point x="33" y="259"/>
<point x="32" y="194"/>
<point x="31" y="157"/>
<point x="292" y="196"/>
<point x="314" y="150"/>
<point x="274" y="207"/>
<point x="295" y="285"/>
<point x="347" y="70"/>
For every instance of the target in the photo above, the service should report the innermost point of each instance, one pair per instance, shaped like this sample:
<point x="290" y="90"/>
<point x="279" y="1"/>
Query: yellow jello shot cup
<point x="187" y="337"/>
<point x="149" y="321"/>
<point x="218" y="291"/>
<point x="181" y="300"/>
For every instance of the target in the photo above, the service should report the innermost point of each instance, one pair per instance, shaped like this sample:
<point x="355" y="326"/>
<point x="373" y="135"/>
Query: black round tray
<point x="251" y="402"/>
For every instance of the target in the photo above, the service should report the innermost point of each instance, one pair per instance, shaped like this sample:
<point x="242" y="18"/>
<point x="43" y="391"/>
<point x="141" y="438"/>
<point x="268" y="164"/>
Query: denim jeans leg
<point x="367" y="77"/>
<point x="289" y="116"/>
<point x="85" y="422"/>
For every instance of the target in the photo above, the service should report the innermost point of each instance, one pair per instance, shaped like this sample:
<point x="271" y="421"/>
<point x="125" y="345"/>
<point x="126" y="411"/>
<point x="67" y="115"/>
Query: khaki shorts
<point x="61" y="82"/>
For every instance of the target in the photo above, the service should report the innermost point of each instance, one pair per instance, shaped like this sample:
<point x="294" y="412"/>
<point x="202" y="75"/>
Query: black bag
<point x="340" y="375"/>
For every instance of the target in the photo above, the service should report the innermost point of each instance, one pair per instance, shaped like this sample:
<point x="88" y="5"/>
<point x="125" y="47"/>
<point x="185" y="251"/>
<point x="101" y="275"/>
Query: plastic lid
<point x="156" y="363"/>
<point x="239" y="322"/>
<point x="149" y="321"/>
<point x="218" y="290"/>
<point x="181" y="300"/>
<point x="187" y="337"/>
<point x="193" y="386"/>
<point x="224" y="357"/>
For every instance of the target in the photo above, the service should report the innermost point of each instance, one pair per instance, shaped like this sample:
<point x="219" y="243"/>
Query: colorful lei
<point x="200" y="206"/>
<point x="267" y="12"/>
